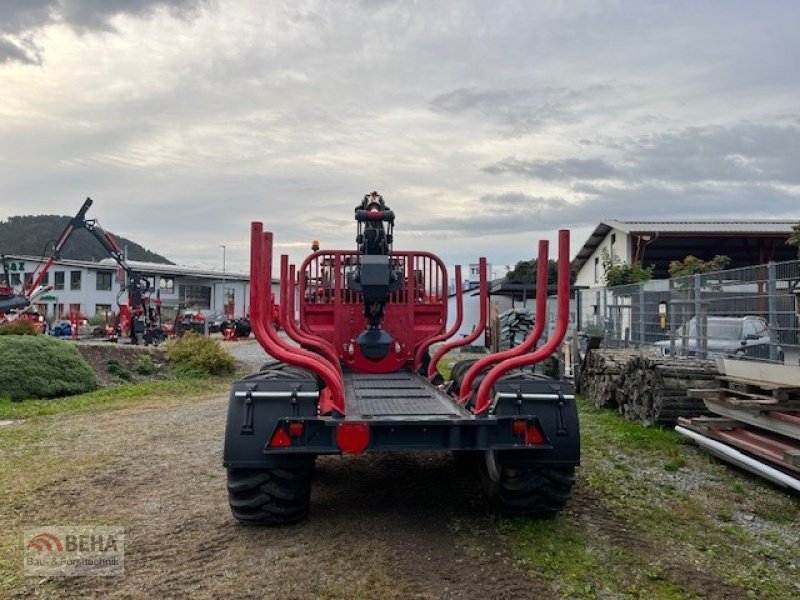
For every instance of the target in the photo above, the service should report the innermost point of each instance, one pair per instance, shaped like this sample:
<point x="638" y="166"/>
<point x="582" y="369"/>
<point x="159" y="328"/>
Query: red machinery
<point x="140" y="318"/>
<point x="352" y="380"/>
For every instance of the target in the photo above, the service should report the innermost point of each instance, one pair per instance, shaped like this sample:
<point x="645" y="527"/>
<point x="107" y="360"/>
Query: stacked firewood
<point x="602" y="374"/>
<point x="644" y="386"/>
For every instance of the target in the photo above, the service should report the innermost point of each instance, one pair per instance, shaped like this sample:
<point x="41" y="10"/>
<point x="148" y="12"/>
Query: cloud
<point x="743" y="152"/>
<point x="520" y="111"/>
<point x="555" y="170"/>
<point x="21" y="19"/>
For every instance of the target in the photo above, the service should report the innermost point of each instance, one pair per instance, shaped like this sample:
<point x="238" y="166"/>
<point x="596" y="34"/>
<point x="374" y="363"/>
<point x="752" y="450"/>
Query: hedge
<point x="42" y="367"/>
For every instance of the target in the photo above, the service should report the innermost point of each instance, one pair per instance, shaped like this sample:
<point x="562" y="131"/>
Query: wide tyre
<point x="276" y="496"/>
<point x="518" y="489"/>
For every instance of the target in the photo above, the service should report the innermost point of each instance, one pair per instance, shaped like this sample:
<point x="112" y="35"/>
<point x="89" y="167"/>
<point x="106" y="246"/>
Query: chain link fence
<point x="751" y="312"/>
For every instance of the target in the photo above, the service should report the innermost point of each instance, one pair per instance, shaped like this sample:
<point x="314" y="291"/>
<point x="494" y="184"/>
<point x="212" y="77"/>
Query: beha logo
<point x="45" y="542"/>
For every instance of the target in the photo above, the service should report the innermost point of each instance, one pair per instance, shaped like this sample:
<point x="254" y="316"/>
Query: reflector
<point x="279" y="439"/>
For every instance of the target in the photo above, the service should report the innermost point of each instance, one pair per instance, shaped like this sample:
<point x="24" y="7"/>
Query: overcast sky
<point x="485" y="125"/>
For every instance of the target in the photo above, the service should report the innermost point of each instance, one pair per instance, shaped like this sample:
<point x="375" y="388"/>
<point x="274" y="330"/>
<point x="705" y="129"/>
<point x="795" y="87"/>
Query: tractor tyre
<point x="275" y="496"/>
<point x="524" y="490"/>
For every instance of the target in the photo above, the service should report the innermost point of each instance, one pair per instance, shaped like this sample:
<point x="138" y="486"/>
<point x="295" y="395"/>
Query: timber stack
<point x="603" y="374"/>
<point x="515" y="326"/>
<point x="645" y="386"/>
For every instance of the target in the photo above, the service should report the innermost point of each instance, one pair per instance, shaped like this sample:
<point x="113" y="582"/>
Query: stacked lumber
<point x="515" y="325"/>
<point x="645" y="386"/>
<point x="655" y="390"/>
<point x="758" y="421"/>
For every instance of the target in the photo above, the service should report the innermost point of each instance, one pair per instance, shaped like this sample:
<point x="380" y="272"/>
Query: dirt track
<point x="392" y="526"/>
<point x="381" y="526"/>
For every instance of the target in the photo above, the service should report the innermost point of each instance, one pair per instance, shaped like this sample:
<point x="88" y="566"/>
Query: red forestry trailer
<point x="359" y="378"/>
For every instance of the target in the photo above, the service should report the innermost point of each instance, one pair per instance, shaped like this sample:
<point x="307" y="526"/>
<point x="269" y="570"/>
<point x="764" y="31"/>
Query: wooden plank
<point x="756" y="418"/>
<point x="776" y="374"/>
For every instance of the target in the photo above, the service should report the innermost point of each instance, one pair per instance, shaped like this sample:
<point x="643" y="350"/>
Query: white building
<point x="658" y="243"/>
<point x="94" y="288"/>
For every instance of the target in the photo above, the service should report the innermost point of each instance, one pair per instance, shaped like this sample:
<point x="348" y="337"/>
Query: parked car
<point x="746" y="336"/>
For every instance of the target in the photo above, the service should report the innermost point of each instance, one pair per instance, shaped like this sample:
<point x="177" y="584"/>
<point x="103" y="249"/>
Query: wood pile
<point x="515" y="325"/>
<point x="645" y="386"/>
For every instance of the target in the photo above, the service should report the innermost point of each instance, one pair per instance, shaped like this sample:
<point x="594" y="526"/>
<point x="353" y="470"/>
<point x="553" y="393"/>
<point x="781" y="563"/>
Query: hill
<point x="30" y="234"/>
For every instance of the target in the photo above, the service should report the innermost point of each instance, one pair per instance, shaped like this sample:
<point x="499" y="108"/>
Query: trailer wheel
<point x="521" y="489"/>
<point x="278" y="496"/>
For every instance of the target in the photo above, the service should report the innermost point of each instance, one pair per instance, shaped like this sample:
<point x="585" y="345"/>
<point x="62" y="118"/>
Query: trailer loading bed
<point x="401" y="394"/>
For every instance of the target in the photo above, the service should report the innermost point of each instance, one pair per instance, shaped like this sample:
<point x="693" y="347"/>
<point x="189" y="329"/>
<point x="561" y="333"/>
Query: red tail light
<point x="296" y="429"/>
<point x="352" y="438"/>
<point x="519" y="427"/>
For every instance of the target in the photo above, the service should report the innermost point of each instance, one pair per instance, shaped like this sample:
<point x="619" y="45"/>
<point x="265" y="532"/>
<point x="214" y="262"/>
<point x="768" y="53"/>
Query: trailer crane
<point x="356" y="378"/>
<point x="142" y="317"/>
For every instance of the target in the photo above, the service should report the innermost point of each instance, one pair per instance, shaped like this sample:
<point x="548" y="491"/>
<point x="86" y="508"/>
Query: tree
<point x="525" y="271"/>
<point x="794" y="238"/>
<point x="618" y="272"/>
<point x="691" y="265"/>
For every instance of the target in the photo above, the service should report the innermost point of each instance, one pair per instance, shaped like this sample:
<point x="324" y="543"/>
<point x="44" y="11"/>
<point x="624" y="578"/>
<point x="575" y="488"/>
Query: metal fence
<point x="752" y="312"/>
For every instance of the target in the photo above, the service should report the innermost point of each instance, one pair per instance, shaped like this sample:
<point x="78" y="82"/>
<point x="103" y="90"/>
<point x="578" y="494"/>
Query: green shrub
<point x="117" y="369"/>
<point x="144" y="365"/>
<point x="198" y="354"/>
<point x="42" y="367"/>
<point x="19" y="327"/>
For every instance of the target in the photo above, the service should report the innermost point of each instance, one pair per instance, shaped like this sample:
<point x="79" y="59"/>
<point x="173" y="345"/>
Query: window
<point x="195" y="297"/>
<point x="102" y="310"/>
<point x="28" y="280"/>
<point x="167" y="284"/>
<point x="74" y="280"/>
<point x="75" y="309"/>
<point x="58" y="280"/>
<point x="597" y="270"/>
<point x="15" y="280"/>
<point x="151" y="283"/>
<point x="103" y="282"/>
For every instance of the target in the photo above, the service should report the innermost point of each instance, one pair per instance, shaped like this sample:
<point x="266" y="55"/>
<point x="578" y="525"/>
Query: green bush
<point x="144" y="365"/>
<point x="117" y="369"/>
<point x="198" y="354"/>
<point x="42" y="367"/>
<point x="19" y="327"/>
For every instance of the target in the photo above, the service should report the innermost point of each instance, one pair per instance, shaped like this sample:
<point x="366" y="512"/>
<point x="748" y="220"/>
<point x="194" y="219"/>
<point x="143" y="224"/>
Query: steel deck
<point x="399" y="395"/>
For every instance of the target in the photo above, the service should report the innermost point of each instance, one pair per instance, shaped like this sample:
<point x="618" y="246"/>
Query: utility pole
<point x="224" y="298"/>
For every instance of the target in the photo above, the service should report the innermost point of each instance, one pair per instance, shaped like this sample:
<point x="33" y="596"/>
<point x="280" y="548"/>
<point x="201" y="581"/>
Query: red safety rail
<point x="480" y="327"/>
<point x="313" y="343"/>
<point x="484" y="399"/>
<point x="412" y="314"/>
<point x="332" y="397"/>
<point x="450" y="332"/>
<point x="530" y="341"/>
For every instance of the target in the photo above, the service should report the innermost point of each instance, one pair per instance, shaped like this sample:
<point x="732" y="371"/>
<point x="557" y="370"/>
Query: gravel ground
<point x="381" y="526"/>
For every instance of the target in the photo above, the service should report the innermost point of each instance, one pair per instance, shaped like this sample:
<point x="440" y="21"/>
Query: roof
<point x="720" y="228"/>
<point x="145" y="268"/>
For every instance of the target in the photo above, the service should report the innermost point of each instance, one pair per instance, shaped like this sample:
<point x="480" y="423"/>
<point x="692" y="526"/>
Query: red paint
<point x="479" y="327"/>
<point x="261" y="321"/>
<point x="450" y="332"/>
<point x="530" y="341"/>
<point x="484" y="398"/>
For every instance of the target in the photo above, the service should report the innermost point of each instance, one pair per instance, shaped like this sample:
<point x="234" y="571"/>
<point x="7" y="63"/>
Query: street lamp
<point x="224" y="298"/>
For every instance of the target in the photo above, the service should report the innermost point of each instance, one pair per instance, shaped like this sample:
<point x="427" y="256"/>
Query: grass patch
<point x="40" y="453"/>
<point x="582" y="566"/>
<point x="112" y="398"/>
<point x="684" y="507"/>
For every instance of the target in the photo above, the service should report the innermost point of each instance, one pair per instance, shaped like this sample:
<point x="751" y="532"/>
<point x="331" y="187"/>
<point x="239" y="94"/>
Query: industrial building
<point x="95" y="288"/>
